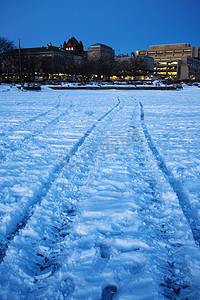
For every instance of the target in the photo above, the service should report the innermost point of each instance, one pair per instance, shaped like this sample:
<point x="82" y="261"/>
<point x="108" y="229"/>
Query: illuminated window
<point x="161" y="63"/>
<point x="142" y="52"/>
<point x="172" y="73"/>
<point x="172" y="63"/>
<point x="177" y="52"/>
<point x="172" y="68"/>
<point x="187" y="52"/>
<point x="168" y="53"/>
<point x="159" y="53"/>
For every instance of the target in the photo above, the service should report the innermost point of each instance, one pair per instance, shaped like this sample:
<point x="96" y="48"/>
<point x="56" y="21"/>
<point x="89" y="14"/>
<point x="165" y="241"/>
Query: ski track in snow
<point x="184" y="201"/>
<point x="106" y="222"/>
<point x="35" y="118"/>
<point x="13" y="147"/>
<point x="45" y="186"/>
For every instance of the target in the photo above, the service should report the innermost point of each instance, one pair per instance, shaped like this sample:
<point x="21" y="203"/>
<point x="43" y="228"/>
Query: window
<point x="187" y="52"/>
<point x="172" y="73"/>
<point x="168" y="53"/>
<point x="161" y="63"/>
<point x="172" y="63"/>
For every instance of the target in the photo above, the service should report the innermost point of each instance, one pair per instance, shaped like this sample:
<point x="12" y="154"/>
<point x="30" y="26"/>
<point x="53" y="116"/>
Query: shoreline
<point x="163" y="88"/>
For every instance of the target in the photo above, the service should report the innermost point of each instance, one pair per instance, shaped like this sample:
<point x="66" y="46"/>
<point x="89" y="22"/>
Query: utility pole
<point x="20" y="64"/>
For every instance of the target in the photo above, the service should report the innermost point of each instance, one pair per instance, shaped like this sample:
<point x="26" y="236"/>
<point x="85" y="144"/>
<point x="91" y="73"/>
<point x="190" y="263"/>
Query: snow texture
<point x="100" y="194"/>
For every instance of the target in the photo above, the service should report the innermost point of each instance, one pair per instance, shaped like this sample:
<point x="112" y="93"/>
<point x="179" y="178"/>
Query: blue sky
<point x="126" y="26"/>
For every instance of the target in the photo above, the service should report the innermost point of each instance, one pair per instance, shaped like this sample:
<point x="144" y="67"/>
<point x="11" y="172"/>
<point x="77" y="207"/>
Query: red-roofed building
<point x="73" y="45"/>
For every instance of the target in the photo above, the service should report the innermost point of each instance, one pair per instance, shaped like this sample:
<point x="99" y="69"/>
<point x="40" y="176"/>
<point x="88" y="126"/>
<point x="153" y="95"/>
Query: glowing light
<point x="114" y="78"/>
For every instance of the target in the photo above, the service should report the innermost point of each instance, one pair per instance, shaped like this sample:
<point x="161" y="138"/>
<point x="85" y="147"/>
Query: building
<point x="100" y="61"/>
<point x="176" y="61"/>
<point x="49" y="61"/>
<point x="189" y="68"/>
<point x="100" y="52"/>
<point x="133" y="67"/>
<point x="73" y="45"/>
<point x="103" y="64"/>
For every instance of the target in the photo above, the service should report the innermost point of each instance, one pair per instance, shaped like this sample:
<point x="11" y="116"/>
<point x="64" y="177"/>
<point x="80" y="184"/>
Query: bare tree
<point x="6" y="45"/>
<point x="129" y="66"/>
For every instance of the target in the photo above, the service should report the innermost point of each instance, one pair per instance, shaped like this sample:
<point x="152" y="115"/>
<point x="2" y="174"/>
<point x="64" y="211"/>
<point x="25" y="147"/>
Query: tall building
<point x="100" y="60"/>
<point x="176" y="61"/>
<point x="100" y="52"/>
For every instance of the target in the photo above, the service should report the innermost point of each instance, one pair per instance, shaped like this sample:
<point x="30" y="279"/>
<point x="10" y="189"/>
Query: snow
<point x="99" y="194"/>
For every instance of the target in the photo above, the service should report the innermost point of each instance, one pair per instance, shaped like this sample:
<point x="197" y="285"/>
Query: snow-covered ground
<point x="100" y="194"/>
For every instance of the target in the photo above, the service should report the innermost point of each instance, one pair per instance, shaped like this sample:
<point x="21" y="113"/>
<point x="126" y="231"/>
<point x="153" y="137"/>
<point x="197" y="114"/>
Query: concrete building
<point x="104" y="64"/>
<point x="100" y="52"/>
<point x="100" y="61"/>
<point x="176" y="61"/>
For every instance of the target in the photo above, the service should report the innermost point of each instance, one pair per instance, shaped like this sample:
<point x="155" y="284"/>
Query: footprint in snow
<point x="108" y="292"/>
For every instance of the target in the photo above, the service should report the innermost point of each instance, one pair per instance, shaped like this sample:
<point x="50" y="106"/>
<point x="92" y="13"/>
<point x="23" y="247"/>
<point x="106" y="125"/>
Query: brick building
<point x="73" y="45"/>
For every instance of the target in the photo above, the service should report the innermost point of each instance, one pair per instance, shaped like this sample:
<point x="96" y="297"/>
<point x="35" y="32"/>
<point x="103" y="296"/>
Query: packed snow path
<point x="184" y="201"/>
<point x="86" y="210"/>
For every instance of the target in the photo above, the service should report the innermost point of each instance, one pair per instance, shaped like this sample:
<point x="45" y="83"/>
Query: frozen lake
<point x="100" y="194"/>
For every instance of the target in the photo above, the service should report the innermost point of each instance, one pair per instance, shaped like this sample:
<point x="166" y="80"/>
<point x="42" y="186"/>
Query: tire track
<point x="171" y="265"/>
<point x="35" y="118"/>
<point x="43" y="252"/>
<point x="45" y="113"/>
<point x="32" y="119"/>
<point x="13" y="147"/>
<point x="177" y="187"/>
<point x="46" y="185"/>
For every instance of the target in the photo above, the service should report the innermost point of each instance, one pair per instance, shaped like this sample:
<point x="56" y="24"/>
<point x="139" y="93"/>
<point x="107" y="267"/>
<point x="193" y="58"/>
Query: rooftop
<point x="37" y="50"/>
<point x="100" y="45"/>
<point x="40" y="50"/>
<point x="170" y="46"/>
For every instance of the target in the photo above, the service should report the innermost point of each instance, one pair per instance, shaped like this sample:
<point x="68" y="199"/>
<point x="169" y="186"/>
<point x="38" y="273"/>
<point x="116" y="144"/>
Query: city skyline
<point x="125" y="27"/>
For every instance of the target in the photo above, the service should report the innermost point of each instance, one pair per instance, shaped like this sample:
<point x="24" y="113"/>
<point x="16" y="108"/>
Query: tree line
<point x="15" y="62"/>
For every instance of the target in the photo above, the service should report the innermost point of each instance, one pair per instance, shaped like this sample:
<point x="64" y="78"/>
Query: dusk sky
<point x="125" y="26"/>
